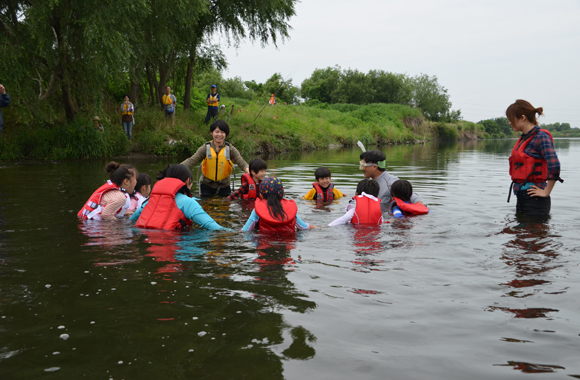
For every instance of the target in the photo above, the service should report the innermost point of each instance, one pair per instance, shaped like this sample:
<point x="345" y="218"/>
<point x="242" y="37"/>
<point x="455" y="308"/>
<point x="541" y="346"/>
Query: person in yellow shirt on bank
<point x="169" y="104"/>
<point x="323" y="189"/>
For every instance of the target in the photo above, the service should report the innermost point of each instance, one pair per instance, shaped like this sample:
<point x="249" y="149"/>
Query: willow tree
<point x="261" y="21"/>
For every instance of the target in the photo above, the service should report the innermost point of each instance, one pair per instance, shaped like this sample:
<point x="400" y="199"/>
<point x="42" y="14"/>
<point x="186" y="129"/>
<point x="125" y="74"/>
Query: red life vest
<point x="409" y="208"/>
<point x="367" y="211"/>
<point x="92" y="209"/>
<point x="161" y="211"/>
<point x="324" y="195"/>
<point x="525" y="168"/>
<point x="268" y="223"/>
<point x="252" y="187"/>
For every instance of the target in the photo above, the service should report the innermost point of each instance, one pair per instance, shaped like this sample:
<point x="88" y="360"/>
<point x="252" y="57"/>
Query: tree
<point x="321" y="84"/>
<point x="430" y="96"/>
<point x="389" y="87"/>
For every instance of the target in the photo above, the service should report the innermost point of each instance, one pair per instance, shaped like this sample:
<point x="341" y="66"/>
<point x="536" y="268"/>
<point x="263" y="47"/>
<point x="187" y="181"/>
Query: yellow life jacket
<point x="217" y="166"/>
<point x="166" y="100"/>
<point x="214" y="100"/>
<point x="126" y="109"/>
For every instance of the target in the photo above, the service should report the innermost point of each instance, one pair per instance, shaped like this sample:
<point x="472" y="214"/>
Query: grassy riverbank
<point x="278" y="129"/>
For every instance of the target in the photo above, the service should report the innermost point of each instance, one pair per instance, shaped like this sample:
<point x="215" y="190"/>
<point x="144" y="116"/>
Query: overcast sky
<point x="486" y="53"/>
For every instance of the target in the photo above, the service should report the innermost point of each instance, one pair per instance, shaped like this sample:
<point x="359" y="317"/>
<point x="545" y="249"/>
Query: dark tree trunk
<point x="188" y="83"/>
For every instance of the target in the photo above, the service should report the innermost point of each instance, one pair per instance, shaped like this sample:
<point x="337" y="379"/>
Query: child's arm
<point x="192" y="210"/>
<point x="346" y="218"/>
<point x="310" y="195"/>
<point x="252" y="221"/>
<point x="137" y="212"/>
<point x="302" y="225"/>
<point x="337" y="193"/>
<point x="238" y="193"/>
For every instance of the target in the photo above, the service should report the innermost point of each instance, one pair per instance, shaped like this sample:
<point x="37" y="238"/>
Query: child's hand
<point x="310" y="226"/>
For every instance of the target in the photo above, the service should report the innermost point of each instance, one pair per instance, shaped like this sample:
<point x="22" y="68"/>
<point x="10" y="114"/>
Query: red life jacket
<point x="252" y="187"/>
<point x="324" y="195"/>
<point x="525" y="168"/>
<point x="92" y="209"/>
<point x="161" y="211"/>
<point x="367" y="211"/>
<point x="268" y="223"/>
<point x="409" y="208"/>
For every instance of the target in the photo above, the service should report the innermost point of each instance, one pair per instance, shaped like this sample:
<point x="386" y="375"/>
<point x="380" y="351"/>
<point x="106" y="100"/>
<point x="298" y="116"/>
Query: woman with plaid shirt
<point x="534" y="165"/>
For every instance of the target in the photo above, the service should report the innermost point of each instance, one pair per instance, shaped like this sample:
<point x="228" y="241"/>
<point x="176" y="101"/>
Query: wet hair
<point x="275" y="207"/>
<point x="369" y="186"/>
<point x="257" y="164"/>
<point x="181" y="172"/>
<point x="118" y="173"/>
<point x="222" y="125"/>
<point x="322" y="172"/>
<point x="522" y="107"/>
<point x="373" y="156"/>
<point x="402" y="189"/>
<point x="143" y="180"/>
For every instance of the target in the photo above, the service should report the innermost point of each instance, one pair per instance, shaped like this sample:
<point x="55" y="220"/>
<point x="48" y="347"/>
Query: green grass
<point x="280" y="128"/>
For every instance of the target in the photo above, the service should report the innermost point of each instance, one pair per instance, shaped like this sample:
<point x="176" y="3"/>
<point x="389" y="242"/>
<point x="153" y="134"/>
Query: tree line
<point x="71" y="56"/>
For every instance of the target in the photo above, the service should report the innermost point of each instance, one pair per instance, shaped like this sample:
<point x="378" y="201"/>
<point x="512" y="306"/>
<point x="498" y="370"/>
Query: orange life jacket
<point x="324" y="195"/>
<point x="367" y="211"/>
<point x="161" y="211"/>
<point x="268" y="224"/>
<point x="92" y="209"/>
<point x="409" y="208"/>
<point x="252" y="187"/>
<point x="525" y="168"/>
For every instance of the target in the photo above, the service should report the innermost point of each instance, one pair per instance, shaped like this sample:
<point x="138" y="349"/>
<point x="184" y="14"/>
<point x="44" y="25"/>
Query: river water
<point x="466" y="292"/>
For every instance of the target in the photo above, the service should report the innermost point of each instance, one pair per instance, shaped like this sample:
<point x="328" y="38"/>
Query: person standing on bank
<point x="169" y="104"/>
<point x="4" y="102"/>
<point x="127" y="118"/>
<point x="212" y="101"/>
<point x="534" y="165"/>
<point x="218" y="161"/>
<point x="373" y="164"/>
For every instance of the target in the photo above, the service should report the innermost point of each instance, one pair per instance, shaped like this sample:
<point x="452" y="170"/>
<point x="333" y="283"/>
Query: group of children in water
<point x="170" y="205"/>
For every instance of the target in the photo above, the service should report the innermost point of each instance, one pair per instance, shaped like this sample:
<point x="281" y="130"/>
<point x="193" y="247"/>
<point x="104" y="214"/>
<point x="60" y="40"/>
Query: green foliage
<point x="497" y="128"/>
<point x="79" y="140"/>
<point x="447" y="132"/>
<point x="335" y="86"/>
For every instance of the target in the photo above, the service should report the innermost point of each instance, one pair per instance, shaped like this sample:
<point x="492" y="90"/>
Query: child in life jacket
<point x="142" y="191"/>
<point x="273" y="213"/>
<point x="401" y="205"/>
<point x="170" y="205"/>
<point x="365" y="207"/>
<point x="323" y="190"/>
<point x="250" y="181"/>
<point x="111" y="201"/>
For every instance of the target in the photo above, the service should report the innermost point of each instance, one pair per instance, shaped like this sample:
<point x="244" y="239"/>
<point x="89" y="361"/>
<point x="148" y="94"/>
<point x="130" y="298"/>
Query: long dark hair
<point x="143" y="180"/>
<point x="118" y="173"/>
<point x="275" y="207"/>
<point x="181" y="172"/>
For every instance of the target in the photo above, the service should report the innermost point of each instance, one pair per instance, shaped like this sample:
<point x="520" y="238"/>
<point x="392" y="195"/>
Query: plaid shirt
<point x="541" y="147"/>
<point x="244" y="189"/>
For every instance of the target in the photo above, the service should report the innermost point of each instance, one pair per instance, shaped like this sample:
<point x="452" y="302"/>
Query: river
<point x="469" y="291"/>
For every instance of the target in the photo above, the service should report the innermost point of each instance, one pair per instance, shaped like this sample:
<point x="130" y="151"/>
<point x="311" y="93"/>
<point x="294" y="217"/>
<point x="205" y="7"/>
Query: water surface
<point x="469" y="291"/>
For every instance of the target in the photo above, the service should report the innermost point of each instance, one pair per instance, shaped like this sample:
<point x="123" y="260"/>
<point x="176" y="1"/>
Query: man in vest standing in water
<point x="373" y="164"/>
<point x="212" y="101"/>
